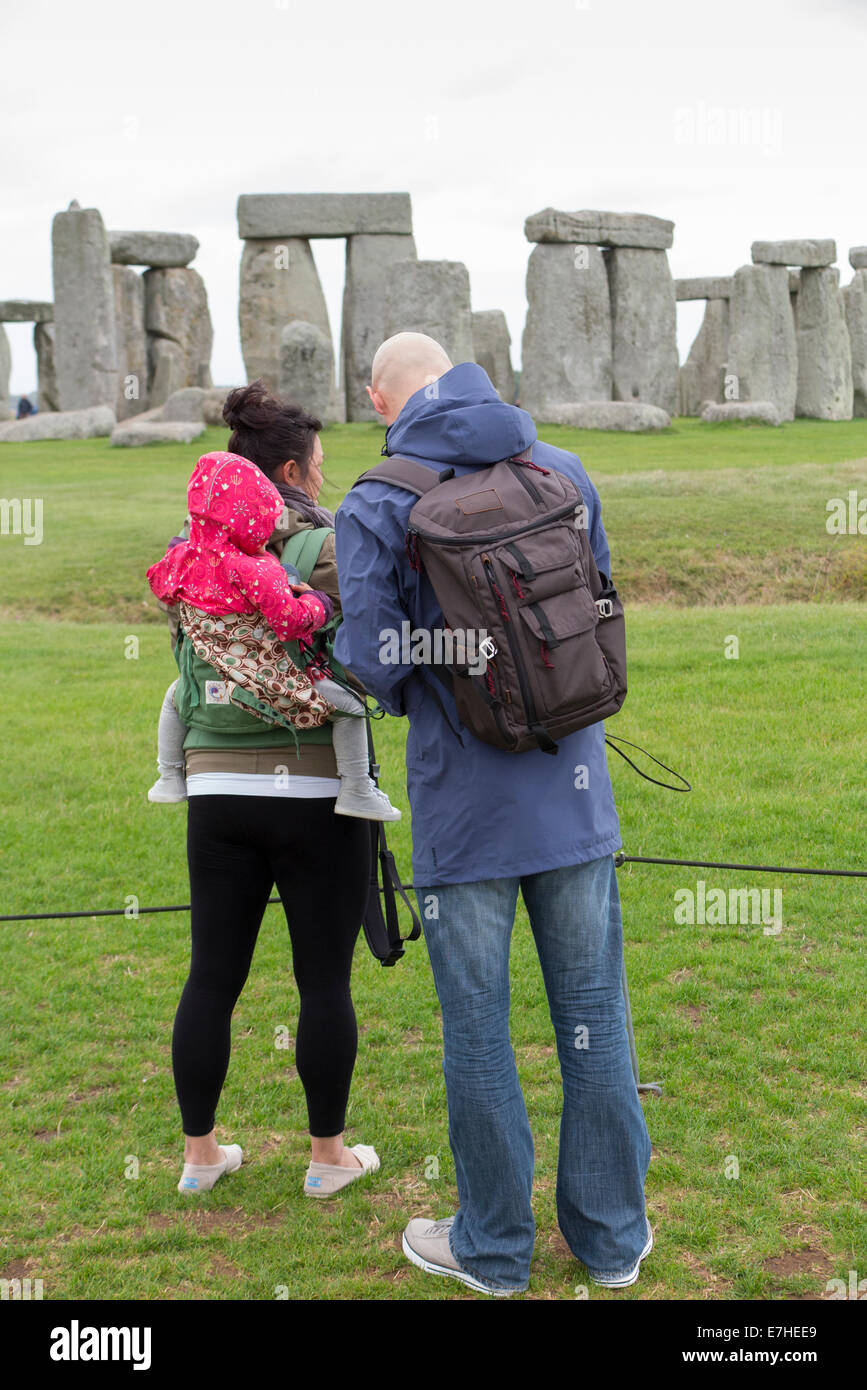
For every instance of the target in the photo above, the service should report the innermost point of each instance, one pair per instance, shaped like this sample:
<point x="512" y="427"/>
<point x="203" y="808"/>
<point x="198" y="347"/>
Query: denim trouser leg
<point x="489" y="1132"/>
<point x="604" y="1144"/>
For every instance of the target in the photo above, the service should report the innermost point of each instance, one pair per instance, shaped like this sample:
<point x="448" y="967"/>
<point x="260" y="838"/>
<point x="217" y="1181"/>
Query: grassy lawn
<point x="756" y="1183"/>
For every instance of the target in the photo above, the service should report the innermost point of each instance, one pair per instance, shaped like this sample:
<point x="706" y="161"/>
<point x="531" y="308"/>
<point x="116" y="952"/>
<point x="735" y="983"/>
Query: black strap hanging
<point x="380" y="923"/>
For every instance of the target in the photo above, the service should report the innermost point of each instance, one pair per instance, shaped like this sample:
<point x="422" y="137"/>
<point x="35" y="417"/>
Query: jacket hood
<point x="460" y="419"/>
<point x="231" y="499"/>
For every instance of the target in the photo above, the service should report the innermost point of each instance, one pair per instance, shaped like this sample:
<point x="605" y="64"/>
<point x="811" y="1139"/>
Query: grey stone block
<point x="188" y="405"/>
<point x="26" y="311"/>
<point x="632" y="416"/>
<point x="825" y="390"/>
<point x="763" y="359"/>
<point x="601" y="228"/>
<point x="5" y="365"/>
<point x="46" y="372"/>
<point x="132" y="355"/>
<point x="857" y="258"/>
<point x="84" y="311"/>
<point x="307" y="369"/>
<point x="279" y="283"/>
<point x="180" y="335"/>
<point x="758" y="412"/>
<point x="323" y="214"/>
<point x="492" y="350"/>
<point x="160" y="250"/>
<point x="566" y="346"/>
<point x="803" y="252"/>
<point x="370" y="261"/>
<point x="133" y="434"/>
<point x="432" y="297"/>
<point x="701" y="376"/>
<point x="703" y="287"/>
<point x="855" y="297"/>
<point x="644" y="327"/>
<point x="91" y="423"/>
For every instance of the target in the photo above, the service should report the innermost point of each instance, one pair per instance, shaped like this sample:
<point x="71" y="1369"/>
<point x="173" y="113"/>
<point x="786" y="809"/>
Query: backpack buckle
<point x="605" y="607"/>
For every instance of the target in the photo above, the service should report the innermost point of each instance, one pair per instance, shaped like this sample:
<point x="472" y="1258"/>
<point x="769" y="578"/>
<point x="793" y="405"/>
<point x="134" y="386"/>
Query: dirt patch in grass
<point x="712" y="1286"/>
<point x="810" y="1258"/>
<point x="231" y="1223"/>
<point x="694" y="1012"/>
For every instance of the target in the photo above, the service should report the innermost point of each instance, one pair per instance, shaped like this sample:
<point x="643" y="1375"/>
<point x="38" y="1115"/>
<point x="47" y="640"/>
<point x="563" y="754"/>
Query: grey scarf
<point x="299" y="501"/>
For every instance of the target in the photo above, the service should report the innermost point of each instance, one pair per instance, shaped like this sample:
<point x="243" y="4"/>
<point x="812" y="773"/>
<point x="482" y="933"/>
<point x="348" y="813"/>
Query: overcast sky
<point x="740" y="119"/>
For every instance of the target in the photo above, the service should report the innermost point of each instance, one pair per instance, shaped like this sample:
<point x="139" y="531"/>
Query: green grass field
<point x="756" y="1185"/>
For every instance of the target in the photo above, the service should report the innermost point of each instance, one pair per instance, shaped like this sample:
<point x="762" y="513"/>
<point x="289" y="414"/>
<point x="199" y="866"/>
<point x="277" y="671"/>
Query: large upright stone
<point x="370" y="261"/>
<point x="566" y="347"/>
<point x="46" y="370"/>
<point x="803" y="252"/>
<point x="84" y="315"/>
<point x="492" y="350"/>
<point x="701" y="376"/>
<point x="323" y="214"/>
<point x="432" y="297"/>
<point x="180" y="336"/>
<point x="279" y="283"/>
<point x="600" y="228"/>
<point x="763" y="358"/>
<point x="160" y="250"/>
<point x="5" y="366"/>
<point x="307" y="369"/>
<point x="855" y="296"/>
<point x="824" y="354"/>
<point x="132" y="355"/>
<point x="644" y="327"/>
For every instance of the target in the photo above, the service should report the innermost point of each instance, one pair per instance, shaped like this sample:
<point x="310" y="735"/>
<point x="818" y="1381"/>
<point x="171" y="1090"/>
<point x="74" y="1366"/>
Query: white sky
<point x="160" y="114"/>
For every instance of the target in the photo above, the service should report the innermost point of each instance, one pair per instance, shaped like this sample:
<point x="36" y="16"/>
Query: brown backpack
<point x="507" y="552"/>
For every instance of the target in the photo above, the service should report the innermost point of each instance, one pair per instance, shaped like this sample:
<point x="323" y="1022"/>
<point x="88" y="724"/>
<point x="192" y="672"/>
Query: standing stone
<point x="5" y="367"/>
<point x="644" y="327"/>
<point x="566" y="347"/>
<point x="279" y="283"/>
<point x="46" y="372"/>
<point x="180" y="336"/>
<point x="84" y="316"/>
<point x="307" y="369"/>
<point x="824" y="354"/>
<point x="856" y="319"/>
<point x="763" y="358"/>
<point x="370" y="261"/>
<point x="701" y="376"/>
<point x="492" y="350"/>
<point x="132" y="357"/>
<point x="432" y="297"/>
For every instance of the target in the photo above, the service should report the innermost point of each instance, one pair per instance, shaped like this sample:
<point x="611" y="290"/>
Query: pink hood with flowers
<point x="233" y="509"/>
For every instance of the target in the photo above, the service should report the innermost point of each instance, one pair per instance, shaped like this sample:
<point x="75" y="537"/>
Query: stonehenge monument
<point x="492" y="350"/>
<point x="369" y="264"/>
<point x="307" y="368"/>
<point x="432" y="297"/>
<point x="855" y="297"/>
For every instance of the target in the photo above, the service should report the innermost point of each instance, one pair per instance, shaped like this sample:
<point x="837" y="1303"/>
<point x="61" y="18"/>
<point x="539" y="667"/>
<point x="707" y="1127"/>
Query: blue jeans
<point x="604" y="1145"/>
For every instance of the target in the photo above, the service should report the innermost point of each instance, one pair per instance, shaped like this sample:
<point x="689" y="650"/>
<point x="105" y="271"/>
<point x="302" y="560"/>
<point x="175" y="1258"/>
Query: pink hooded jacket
<point x="233" y="509"/>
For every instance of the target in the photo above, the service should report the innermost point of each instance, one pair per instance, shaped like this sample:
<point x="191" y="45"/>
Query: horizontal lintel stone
<point x="323" y="214"/>
<point x="592" y="228"/>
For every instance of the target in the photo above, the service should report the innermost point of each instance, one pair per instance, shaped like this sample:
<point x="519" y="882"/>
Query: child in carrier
<point x="224" y="570"/>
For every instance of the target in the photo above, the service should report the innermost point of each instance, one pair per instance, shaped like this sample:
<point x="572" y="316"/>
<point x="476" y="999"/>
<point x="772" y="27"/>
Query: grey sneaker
<point x="426" y="1244"/>
<point x="365" y="801"/>
<point x="170" y="786"/>
<point x="623" y="1281"/>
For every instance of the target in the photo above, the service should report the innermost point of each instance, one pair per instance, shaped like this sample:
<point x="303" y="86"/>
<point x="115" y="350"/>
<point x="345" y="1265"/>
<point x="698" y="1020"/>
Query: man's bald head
<point x="403" y="365"/>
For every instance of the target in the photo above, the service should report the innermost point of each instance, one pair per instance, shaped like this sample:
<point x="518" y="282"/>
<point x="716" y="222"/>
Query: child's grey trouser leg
<point x="171" y="733"/>
<point x="350" y="735"/>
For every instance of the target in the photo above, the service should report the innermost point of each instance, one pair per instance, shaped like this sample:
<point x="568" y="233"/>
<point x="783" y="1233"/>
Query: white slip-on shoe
<point x="324" y="1179"/>
<point x="426" y="1244"/>
<point x="623" y="1281"/>
<point x="169" y="786"/>
<point x="200" y="1177"/>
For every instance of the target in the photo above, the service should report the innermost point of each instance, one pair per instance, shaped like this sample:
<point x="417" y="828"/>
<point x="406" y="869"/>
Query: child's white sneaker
<point x="170" y="786"/>
<point x="364" y="800"/>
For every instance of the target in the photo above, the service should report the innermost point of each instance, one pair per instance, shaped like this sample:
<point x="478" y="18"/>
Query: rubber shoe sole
<point x="463" y="1275"/>
<point x="623" y="1281"/>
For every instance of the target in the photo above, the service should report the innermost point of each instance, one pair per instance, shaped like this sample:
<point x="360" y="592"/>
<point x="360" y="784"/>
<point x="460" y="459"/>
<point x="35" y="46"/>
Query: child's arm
<point x="263" y="580"/>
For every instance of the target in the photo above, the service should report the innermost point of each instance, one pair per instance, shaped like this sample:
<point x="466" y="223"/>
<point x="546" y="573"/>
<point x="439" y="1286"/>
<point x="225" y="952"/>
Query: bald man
<point x="487" y="824"/>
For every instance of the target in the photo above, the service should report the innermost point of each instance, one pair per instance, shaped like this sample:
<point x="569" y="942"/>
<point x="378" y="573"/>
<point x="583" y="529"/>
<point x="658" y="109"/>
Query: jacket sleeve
<point x="265" y="583"/>
<point x="369" y="640"/>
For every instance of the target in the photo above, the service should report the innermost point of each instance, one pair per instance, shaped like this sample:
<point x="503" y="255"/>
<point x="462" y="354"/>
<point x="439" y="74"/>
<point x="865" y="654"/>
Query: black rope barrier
<point x="619" y="859"/>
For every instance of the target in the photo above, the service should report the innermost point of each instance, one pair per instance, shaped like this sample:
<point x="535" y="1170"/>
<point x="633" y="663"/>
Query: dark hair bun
<point x="249" y="407"/>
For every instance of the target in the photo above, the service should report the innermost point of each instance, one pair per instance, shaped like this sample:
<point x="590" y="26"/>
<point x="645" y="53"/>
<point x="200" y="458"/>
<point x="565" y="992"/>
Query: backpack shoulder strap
<point x="405" y="473"/>
<point x="302" y="550"/>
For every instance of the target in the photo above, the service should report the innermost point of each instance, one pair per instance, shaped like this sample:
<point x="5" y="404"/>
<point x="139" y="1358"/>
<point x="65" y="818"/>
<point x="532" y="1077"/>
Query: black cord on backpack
<point x="614" y="739"/>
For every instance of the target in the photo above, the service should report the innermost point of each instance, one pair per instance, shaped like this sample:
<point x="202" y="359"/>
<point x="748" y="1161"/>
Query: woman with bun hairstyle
<point x="261" y="811"/>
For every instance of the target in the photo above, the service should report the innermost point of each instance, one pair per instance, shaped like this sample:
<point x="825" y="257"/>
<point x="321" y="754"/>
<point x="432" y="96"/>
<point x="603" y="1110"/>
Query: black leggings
<point x="237" y="848"/>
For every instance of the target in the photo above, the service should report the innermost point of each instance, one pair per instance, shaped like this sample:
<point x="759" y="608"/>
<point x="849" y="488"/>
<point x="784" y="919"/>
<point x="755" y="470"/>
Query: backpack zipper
<point x="526" y="693"/>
